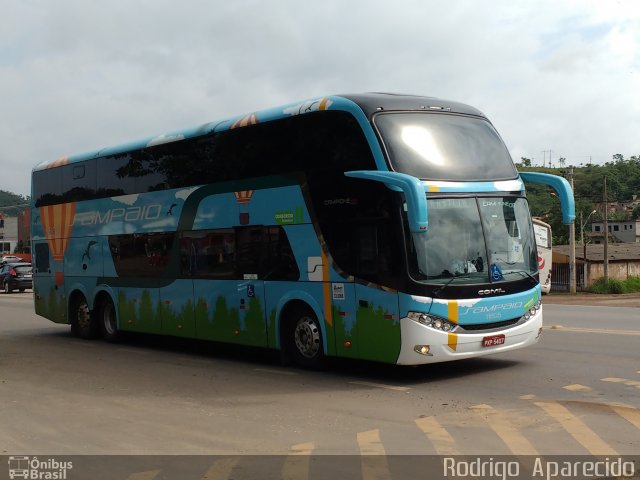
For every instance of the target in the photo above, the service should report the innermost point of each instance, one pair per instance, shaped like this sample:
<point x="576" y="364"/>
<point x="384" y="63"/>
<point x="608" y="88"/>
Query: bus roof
<point x="361" y="104"/>
<point x="371" y="103"/>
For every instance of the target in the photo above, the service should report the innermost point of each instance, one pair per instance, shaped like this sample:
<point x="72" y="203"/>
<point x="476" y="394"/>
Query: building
<point x="623" y="262"/>
<point x="8" y="234"/>
<point x="620" y="231"/>
<point x="24" y="230"/>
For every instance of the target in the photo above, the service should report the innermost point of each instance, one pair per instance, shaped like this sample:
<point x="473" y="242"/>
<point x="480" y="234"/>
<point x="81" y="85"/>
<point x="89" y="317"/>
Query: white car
<point x="10" y="258"/>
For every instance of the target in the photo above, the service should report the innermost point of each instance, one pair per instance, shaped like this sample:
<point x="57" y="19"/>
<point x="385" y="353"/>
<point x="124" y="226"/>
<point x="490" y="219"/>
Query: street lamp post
<point x="583" y="224"/>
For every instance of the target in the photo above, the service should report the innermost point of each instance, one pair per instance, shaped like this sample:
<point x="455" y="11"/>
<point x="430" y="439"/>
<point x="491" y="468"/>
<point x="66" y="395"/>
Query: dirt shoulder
<point x="621" y="300"/>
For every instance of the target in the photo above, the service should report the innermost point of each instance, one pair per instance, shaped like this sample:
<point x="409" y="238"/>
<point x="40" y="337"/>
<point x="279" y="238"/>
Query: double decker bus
<point x="372" y="226"/>
<point x="542" y="232"/>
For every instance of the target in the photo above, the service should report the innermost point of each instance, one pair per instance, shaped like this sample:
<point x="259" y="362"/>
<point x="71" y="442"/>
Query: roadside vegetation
<point x="630" y="285"/>
<point x="623" y="185"/>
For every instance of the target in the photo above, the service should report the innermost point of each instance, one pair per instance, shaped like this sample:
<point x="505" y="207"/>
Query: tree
<point x="526" y="162"/>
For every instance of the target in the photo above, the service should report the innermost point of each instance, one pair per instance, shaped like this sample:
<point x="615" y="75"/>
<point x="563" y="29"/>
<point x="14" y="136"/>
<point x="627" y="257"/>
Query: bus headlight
<point x="423" y="350"/>
<point x="431" y="321"/>
<point x="533" y="310"/>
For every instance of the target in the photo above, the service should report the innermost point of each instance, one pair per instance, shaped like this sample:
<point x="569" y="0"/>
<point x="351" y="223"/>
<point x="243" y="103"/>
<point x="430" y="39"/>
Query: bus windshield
<point x="438" y="146"/>
<point x="474" y="240"/>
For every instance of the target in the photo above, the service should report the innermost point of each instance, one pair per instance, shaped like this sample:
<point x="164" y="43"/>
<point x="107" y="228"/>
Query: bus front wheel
<point x="83" y="323"/>
<point x="305" y="339"/>
<point x="108" y="321"/>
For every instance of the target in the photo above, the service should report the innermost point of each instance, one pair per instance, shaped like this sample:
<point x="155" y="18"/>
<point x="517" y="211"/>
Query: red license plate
<point x="493" y="341"/>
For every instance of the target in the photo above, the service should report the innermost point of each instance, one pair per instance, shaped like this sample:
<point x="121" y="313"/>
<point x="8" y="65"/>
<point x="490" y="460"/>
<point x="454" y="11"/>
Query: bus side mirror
<point x="562" y="188"/>
<point x="413" y="192"/>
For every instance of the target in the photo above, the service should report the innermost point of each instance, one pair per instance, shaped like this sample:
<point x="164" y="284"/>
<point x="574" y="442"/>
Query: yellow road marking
<point x="373" y="456"/>
<point x="370" y="444"/>
<point x="148" y="475"/>
<point x="511" y="436"/>
<point x="296" y="466"/>
<point x="576" y="387"/>
<point x="632" y="415"/>
<point x="438" y="436"/>
<point x="527" y="397"/>
<point x="560" y="328"/>
<point x="577" y="429"/>
<point x="221" y="469"/>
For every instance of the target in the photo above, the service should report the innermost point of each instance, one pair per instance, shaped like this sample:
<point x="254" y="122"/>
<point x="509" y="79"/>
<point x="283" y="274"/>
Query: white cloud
<point x="126" y="199"/>
<point x="183" y="194"/>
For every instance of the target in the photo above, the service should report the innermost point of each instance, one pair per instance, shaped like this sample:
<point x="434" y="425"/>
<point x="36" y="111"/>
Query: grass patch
<point x="630" y="285"/>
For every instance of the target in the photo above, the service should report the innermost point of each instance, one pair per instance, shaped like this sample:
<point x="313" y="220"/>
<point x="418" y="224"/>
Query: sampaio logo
<point x="38" y="469"/>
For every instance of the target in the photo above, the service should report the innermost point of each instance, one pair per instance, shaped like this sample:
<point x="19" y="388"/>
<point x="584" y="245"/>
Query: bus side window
<point x="141" y="255"/>
<point x="282" y="262"/>
<point x="367" y="251"/>
<point x="208" y="254"/>
<point x="377" y="254"/>
<point x="113" y="177"/>
<point x="79" y="181"/>
<point x="251" y="245"/>
<point x="47" y="186"/>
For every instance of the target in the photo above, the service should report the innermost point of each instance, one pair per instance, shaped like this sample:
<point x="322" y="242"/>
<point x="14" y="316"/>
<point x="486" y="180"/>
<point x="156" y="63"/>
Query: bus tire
<point x="304" y="339"/>
<point x="108" y="320"/>
<point x="83" y="322"/>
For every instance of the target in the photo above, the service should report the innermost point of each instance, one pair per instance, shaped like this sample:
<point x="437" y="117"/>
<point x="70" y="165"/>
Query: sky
<point x="557" y="78"/>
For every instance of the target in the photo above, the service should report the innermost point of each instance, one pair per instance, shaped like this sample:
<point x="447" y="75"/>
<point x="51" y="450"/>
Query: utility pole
<point x="606" y="234"/>
<point x="572" y="246"/>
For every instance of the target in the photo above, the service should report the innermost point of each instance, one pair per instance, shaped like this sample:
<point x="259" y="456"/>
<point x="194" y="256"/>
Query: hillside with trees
<point x="623" y="185"/>
<point x="11" y="203"/>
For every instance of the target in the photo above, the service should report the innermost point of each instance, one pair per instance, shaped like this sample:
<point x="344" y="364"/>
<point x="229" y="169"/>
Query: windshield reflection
<point x="474" y="240"/>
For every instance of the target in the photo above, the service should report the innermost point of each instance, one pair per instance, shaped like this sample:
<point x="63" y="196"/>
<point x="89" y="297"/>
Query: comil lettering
<point x="491" y="291"/>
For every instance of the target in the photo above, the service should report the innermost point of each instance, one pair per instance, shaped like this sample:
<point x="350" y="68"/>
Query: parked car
<point x="10" y="258"/>
<point x="16" y="276"/>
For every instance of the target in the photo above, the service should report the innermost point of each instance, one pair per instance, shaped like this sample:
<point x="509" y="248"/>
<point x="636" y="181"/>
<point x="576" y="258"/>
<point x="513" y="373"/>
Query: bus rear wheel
<point x="108" y="321"/>
<point x="305" y="339"/>
<point x="83" y="323"/>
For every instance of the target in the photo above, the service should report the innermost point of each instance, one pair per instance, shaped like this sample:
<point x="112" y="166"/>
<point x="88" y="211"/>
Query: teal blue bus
<point x="381" y="227"/>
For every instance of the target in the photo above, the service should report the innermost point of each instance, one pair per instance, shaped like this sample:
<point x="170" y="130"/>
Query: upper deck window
<point x="439" y="146"/>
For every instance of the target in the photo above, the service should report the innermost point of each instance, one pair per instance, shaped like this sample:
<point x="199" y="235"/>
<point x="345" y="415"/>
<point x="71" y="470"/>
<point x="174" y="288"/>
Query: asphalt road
<point x="576" y="392"/>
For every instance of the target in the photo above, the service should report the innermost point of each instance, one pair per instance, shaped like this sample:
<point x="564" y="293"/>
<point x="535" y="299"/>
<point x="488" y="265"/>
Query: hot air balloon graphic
<point x="250" y="119"/>
<point x="57" y="223"/>
<point x="243" y="198"/>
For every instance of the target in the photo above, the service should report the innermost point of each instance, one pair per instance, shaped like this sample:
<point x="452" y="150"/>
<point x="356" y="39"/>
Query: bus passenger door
<point x="251" y="306"/>
<point x="251" y="257"/>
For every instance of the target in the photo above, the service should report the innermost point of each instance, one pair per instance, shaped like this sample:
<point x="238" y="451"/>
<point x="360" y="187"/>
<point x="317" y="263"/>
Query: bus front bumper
<point x="444" y="347"/>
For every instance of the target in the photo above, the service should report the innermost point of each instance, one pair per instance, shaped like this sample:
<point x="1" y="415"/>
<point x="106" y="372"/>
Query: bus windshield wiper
<point x="439" y="290"/>
<point x="524" y="273"/>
